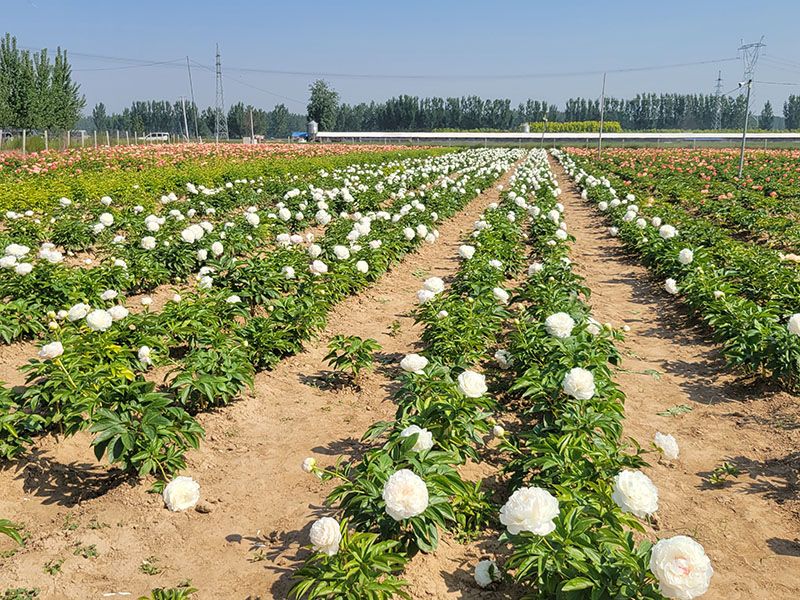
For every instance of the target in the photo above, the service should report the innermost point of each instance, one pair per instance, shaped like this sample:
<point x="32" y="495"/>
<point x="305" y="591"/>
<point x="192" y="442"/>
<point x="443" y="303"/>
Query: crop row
<point x="763" y="206"/>
<point x="243" y="316"/>
<point x="140" y="176"/>
<point x="138" y="251"/>
<point x="741" y="291"/>
<point x="570" y="519"/>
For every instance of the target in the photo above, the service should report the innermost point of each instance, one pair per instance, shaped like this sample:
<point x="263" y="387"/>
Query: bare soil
<point x="258" y="504"/>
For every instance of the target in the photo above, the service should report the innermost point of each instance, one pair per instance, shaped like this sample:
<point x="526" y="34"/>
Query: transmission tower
<point x="750" y="53"/>
<point x="220" y="118"/>
<point x="718" y="102"/>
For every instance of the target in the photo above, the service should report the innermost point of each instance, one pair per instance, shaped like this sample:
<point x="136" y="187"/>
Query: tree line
<point x="642" y="112"/>
<point x="35" y="92"/>
<point x="167" y="116"/>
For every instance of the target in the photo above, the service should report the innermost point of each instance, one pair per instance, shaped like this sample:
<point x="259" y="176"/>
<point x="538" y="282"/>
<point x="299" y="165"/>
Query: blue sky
<point x="460" y="39"/>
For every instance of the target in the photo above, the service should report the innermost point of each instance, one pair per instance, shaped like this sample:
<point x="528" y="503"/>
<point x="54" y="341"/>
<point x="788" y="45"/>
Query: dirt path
<point x="751" y="527"/>
<point x="261" y="503"/>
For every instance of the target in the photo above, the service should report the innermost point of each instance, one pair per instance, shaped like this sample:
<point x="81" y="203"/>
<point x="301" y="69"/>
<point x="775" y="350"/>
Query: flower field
<point x="398" y="373"/>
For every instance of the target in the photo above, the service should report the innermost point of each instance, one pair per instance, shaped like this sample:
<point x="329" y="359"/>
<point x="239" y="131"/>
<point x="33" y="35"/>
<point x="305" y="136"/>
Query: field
<point x="333" y="371"/>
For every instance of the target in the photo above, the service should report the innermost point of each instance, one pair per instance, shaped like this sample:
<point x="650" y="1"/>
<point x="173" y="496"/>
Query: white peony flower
<point x="182" y="493"/>
<point x="144" y="355"/>
<point x="635" y="493"/>
<point x="498" y="431"/>
<point x="106" y="219"/>
<point x="99" y="320"/>
<point x="424" y="296"/>
<point x="8" y="262"/>
<point x="535" y="268"/>
<point x="413" y="363"/>
<point x="233" y="299"/>
<point x="719" y="294"/>
<point x="530" y="509"/>
<point x="217" y="249"/>
<point x="109" y="295"/>
<point x="148" y="242"/>
<point x="362" y="266"/>
<point x="434" y="284"/>
<point x="424" y="439"/>
<point x="472" y="384"/>
<point x="326" y="535"/>
<point x="685" y="256"/>
<point x="667" y="232"/>
<point x="309" y="464"/>
<point x="118" y="312"/>
<point x="466" y="251"/>
<point x="794" y="323"/>
<point x="613" y="231"/>
<point x="341" y="252"/>
<point x="23" y="268"/>
<point x="486" y="573"/>
<point x="671" y="286"/>
<point x="78" y="312"/>
<point x="405" y="495"/>
<point x="504" y="359"/>
<point x="578" y="383"/>
<point x="559" y="325"/>
<point x="682" y="568"/>
<point x="500" y="295"/>
<point x="496" y="264"/>
<point x="667" y="444"/>
<point x="146" y="301"/>
<point x="409" y="233"/>
<point x="318" y="268"/>
<point x="51" y="350"/>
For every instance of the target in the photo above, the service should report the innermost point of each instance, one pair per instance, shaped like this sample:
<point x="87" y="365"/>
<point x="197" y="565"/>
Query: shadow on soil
<point x="65" y="484"/>
<point x="775" y="478"/>
<point x="282" y="552"/>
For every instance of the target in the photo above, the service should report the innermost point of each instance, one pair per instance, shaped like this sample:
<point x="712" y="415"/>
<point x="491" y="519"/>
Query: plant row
<point x="137" y="251"/>
<point x="747" y="301"/>
<point x="762" y="206"/>
<point x="405" y="490"/>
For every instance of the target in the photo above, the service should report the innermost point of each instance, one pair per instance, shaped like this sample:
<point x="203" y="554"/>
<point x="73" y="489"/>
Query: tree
<point x="100" y="117"/>
<point x="279" y="121"/>
<point x="35" y="93"/>
<point x="323" y="104"/>
<point x="765" y="119"/>
<point x="791" y="112"/>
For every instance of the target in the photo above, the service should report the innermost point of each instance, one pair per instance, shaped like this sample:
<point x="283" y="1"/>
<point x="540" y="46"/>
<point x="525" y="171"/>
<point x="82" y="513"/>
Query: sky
<point x="374" y="50"/>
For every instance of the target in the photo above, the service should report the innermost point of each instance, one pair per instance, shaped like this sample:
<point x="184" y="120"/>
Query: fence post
<point x="46" y="143"/>
<point x="68" y="139"/>
<point x="94" y="133"/>
<point x="127" y="138"/>
<point x="117" y="137"/>
<point x="108" y="138"/>
<point x="24" y="141"/>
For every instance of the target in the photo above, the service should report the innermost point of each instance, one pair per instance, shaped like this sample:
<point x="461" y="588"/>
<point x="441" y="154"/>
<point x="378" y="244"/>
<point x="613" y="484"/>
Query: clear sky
<point x="442" y="47"/>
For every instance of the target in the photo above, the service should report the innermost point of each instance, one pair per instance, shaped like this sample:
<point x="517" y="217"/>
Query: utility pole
<point x="220" y="118"/>
<point x="602" y="117"/>
<point x="749" y="84"/>
<point x="191" y="91"/>
<point x="185" y="122"/>
<point x="718" y="102"/>
<point x="252" y="133"/>
<point x="750" y="54"/>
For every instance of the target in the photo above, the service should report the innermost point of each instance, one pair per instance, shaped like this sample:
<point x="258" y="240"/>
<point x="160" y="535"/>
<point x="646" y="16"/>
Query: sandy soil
<point x="751" y="526"/>
<point x="257" y="502"/>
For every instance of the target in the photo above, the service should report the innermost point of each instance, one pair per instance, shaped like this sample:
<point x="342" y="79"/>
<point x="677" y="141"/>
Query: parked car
<point x="158" y="136"/>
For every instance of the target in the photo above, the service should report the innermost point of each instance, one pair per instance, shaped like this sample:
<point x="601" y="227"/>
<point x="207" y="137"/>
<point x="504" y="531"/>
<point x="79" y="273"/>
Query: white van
<point x="158" y="136"/>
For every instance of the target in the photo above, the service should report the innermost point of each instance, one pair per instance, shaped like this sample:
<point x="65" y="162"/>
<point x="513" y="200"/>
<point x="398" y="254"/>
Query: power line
<point x="255" y="87"/>
<point x="777" y="82"/>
